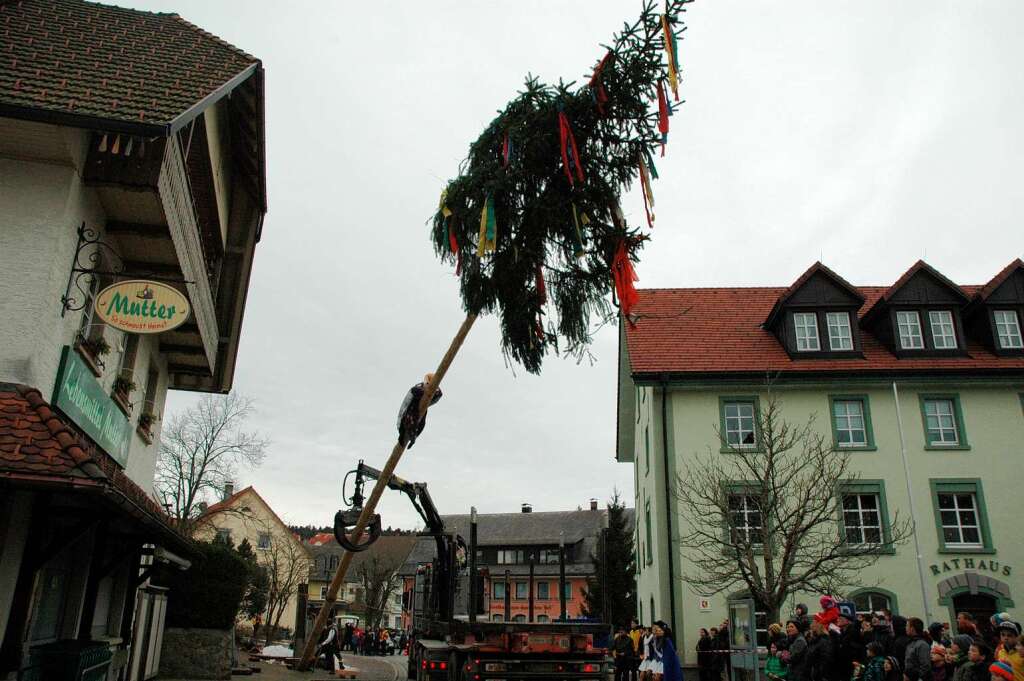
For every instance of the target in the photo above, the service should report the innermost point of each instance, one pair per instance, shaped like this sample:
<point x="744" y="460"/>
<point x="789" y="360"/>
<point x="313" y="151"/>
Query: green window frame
<point x="860" y="513"/>
<point x="647" y="523"/>
<point x="872" y="592"/>
<point x="732" y="419"/>
<point x="938" y="418"/>
<point x="954" y="518"/>
<point x="835" y="401"/>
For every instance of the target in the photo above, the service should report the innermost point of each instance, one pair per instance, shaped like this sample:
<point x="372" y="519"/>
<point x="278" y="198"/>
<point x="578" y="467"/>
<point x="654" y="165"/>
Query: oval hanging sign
<point x="140" y="306"/>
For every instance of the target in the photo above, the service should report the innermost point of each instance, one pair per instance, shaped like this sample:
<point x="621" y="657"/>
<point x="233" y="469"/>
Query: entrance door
<point x="743" y="640"/>
<point x="982" y="606"/>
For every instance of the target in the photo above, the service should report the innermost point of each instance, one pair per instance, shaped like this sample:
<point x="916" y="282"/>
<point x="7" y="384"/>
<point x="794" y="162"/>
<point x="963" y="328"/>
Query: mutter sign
<point x="140" y="306"/>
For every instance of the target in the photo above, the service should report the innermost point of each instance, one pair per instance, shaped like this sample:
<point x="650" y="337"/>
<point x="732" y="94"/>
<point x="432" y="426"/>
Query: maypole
<point x="533" y="224"/>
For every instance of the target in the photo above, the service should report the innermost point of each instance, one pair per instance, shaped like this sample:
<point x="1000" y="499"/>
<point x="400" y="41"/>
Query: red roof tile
<point x="718" y="330"/>
<point x="36" y="442"/>
<point x="83" y="58"/>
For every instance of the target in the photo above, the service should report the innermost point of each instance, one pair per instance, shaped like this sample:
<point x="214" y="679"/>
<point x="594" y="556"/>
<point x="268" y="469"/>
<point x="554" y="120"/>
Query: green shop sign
<point x="81" y="397"/>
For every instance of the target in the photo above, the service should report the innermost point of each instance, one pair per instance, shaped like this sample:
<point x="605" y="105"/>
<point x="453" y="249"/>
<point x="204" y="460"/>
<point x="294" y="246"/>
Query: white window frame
<point x="840" y="335"/>
<point x="871" y="598"/>
<point x="748" y="508"/>
<point x="260" y="543"/>
<point x="859" y="513"/>
<point x="1008" y="333"/>
<point x="846" y="420"/>
<point x="805" y="328"/>
<point x="959" y="525"/>
<point x="932" y="414"/>
<point x="943" y="329"/>
<point x="737" y="418"/>
<point x="908" y="327"/>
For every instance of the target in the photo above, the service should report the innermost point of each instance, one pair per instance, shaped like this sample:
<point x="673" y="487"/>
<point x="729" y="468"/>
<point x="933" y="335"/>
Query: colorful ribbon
<point x="645" y="189"/>
<point x="570" y="154"/>
<point x="578" y="219"/>
<point x="453" y="242"/>
<point x="542" y="289"/>
<point x="506" y="150"/>
<point x="597" y="91"/>
<point x="623" y="275"/>
<point x="488" y="240"/>
<point x="672" y="53"/>
<point x="664" y="111"/>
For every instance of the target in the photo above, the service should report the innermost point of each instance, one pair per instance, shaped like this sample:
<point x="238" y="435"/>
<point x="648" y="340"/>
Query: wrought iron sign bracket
<point x="91" y="254"/>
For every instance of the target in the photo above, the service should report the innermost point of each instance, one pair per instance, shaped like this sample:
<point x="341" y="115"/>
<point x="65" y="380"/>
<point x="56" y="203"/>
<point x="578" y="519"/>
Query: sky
<point x="863" y="134"/>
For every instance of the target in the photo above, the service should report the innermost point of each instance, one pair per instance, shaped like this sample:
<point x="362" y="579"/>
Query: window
<point x="543" y="591"/>
<point x="519" y="618"/>
<point x="568" y="591"/>
<point x="498" y="589"/>
<point x="224" y="535"/>
<point x="745" y="522"/>
<point x="647" y="523"/>
<point x="943" y="333"/>
<point x="510" y="556"/>
<point x="909" y="325"/>
<point x="862" y="520"/>
<point x="548" y="557"/>
<point x="806" y="325"/>
<point x="839" y="335"/>
<point x="323" y="593"/>
<point x="1008" y="330"/>
<point x="543" y="618"/>
<point x="264" y="541"/>
<point x="943" y="422"/>
<point x="522" y="592"/>
<point x="851" y="422"/>
<point x="129" y="349"/>
<point x="497" y="617"/>
<point x="960" y="517"/>
<point x="871" y="602"/>
<point x="738" y="427"/>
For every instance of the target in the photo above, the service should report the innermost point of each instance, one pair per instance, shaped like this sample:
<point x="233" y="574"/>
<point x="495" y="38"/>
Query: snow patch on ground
<point x="278" y="651"/>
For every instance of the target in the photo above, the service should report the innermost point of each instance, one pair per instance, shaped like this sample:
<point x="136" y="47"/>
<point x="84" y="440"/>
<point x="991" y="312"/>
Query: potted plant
<point x="123" y="387"/>
<point x="92" y="349"/>
<point x="145" y="428"/>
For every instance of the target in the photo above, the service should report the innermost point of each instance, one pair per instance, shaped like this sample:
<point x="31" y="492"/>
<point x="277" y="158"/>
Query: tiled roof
<point x="997" y="280"/>
<point x="718" y="330"/>
<point x="36" y="444"/>
<point x="230" y="502"/>
<point x="72" y="57"/>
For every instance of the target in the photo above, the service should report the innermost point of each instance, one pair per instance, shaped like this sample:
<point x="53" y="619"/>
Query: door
<point x="982" y="606"/>
<point x="743" y="640"/>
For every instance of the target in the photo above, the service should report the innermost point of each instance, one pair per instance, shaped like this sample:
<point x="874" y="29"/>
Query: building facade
<point x="507" y="545"/>
<point x="924" y="371"/>
<point x="131" y="148"/>
<point x="246" y="516"/>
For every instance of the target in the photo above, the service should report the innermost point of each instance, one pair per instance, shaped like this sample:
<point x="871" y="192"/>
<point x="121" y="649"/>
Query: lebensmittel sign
<point x="83" y="400"/>
<point x="139" y="306"/>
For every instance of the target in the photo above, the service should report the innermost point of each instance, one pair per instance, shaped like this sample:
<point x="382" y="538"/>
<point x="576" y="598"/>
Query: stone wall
<point x="196" y="654"/>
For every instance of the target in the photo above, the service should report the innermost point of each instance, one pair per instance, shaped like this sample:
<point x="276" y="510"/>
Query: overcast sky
<point x="866" y="134"/>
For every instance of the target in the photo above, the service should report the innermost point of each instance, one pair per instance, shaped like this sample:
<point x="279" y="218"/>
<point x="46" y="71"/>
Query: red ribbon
<point x="600" y="95"/>
<point x="454" y="245"/>
<point x="663" y="114"/>
<point x="569" y="150"/>
<point x="624" y="275"/>
<point x="644" y="187"/>
<point x="542" y="289"/>
<point x="504" y="151"/>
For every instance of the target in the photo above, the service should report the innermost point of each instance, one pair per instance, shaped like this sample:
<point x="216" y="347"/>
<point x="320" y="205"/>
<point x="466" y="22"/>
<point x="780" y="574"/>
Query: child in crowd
<point x="774" y="668"/>
<point x="874" y="668"/>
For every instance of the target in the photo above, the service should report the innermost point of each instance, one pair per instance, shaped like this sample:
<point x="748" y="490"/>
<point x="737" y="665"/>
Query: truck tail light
<point x="444" y="665"/>
<point x="590" y="667"/>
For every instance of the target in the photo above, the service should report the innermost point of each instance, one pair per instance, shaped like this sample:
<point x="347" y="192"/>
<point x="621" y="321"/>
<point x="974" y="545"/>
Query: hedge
<point x="208" y="594"/>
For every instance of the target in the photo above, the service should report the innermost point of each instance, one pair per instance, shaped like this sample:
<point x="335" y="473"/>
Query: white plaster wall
<point x="42" y="205"/>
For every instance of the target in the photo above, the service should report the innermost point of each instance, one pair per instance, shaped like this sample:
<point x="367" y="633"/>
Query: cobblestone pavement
<point x="390" y="668"/>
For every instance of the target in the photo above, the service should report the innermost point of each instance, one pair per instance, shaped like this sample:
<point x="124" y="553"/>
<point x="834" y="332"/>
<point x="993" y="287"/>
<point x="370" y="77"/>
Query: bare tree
<point x="767" y="515"/>
<point x="286" y="563"/>
<point x="379" y="576"/>
<point x="200" y="450"/>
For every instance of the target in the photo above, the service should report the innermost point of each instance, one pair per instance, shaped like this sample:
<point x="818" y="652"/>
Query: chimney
<point x="527" y="508"/>
<point x="593" y="504"/>
<point x="229" y="489"/>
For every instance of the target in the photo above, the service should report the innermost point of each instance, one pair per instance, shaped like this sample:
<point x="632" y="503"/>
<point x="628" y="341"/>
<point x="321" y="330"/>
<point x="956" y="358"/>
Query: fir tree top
<point x="532" y="222"/>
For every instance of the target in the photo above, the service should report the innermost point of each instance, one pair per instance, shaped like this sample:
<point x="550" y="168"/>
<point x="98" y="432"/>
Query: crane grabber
<point x="366" y="516"/>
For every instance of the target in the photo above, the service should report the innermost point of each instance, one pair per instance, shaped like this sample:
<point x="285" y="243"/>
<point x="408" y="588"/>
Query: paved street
<point x="391" y="668"/>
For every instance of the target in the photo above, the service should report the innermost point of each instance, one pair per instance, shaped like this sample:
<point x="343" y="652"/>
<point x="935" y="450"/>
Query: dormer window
<point x="909" y="324"/>
<point x="1008" y="330"/>
<point x="943" y="333"/>
<point x="839" y="335"/>
<point x="806" y="325"/>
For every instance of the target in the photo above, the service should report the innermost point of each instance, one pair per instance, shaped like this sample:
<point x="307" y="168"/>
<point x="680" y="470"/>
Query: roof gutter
<point x="668" y="506"/>
<point x="209" y="100"/>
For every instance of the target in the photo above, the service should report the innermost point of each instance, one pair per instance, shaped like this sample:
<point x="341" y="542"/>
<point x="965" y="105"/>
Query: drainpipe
<point x="913" y="513"/>
<point x="668" y="507"/>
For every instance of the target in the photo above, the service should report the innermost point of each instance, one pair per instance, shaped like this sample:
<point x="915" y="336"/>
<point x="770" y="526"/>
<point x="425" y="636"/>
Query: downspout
<point x="910" y="498"/>
<point x="668" y="506"/>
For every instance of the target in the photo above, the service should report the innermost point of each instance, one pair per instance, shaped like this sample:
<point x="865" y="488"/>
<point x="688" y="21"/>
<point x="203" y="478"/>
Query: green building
<point x="925" y="372"/>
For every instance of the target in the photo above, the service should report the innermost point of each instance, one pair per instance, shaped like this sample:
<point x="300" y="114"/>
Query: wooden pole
<point x="308" y="653"/>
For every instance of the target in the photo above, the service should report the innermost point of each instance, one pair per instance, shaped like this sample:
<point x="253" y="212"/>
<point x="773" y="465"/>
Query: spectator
<point x="849" y="647"/>
<point x="939" y="665"/>
<point x="705" y="657"/>
<point x="979" y="657"/>
<point x="956" y="655"/>
<point x="795" y="655"/>
<point x="898" y="647"/>
<point x="881" y="629"/>
<point x="1001" y="671"/>
<point x="937" y="631"/>
<point x="874" y="667"/>
<point x="820" y="653"/>
<point x="774" y="668"/>
<point x="892" y="669"/>
<point x="917" y="665"/>
<point x="622" y="652"/>
<point x="965" y="624"/>
<point x="1008" y="650"/>
<point x="800" y="616"/>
